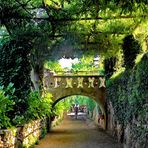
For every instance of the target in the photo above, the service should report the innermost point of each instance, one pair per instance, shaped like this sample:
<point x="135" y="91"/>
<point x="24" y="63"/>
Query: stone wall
<point x="97" y="117"/>
<point x="57" y="119"/>
<point x="113" y="126"/>
<point x="23" y="136"/>
<point x="8" y="138"/>
<point x="127" y="105"/>
<point x="125" y="134"/>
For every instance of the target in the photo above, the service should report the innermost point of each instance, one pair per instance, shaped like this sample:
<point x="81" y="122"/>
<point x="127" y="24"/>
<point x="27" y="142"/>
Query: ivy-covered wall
<point x="127" y="98"/>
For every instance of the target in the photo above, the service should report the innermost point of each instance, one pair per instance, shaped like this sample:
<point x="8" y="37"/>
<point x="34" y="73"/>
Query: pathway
<point x="80" y="133"/>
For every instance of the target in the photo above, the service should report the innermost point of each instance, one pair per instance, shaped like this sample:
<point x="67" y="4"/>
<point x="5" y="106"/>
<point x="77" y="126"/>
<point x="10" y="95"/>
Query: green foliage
<point x="14" y="56"/>
<point x="6" y="105"/>
<point x="83" y="100"/>
<point x="61" y="106"/>
<point x="52" y="18"/>
<point x="109" y="66"/>
<point x="131" y="48"/>
<point x="86" y="64"/>
<point x="43" y="132"/>
<point x="19" y="120"/>
<point x="33" y="30"/>
<point x="91" y="105"/>
<point x="65" y="104"/>
<point x="128" y="94"/>
<point x="53" y="65"/>
<point x="129" y="5"/>
<point x="38" y="107"/>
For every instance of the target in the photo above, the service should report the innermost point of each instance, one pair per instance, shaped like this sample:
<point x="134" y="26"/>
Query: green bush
<point x="131" y="48"/>
<point x="15" y="67"/>
<point x="6" y="105"/>
<point x="61" y="106"/>
<point x="38" y="107"/>
<point x="109" y="66"/>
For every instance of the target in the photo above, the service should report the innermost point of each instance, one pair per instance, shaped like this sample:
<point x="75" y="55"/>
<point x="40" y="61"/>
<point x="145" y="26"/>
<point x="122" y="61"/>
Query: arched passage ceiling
<point x="75" y="24"/>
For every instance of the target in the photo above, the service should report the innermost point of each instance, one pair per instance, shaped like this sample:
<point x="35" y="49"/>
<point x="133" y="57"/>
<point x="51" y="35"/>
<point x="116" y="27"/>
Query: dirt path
<point x="80" y="133"/>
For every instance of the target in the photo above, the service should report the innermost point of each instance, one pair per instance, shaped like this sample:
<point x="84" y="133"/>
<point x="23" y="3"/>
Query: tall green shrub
<point x="6" y="105"/>
<point x="109" y="66"/>
<point x="15" y="67"/>
<point x="131" y="48"/>
<point x="38" y="107"/>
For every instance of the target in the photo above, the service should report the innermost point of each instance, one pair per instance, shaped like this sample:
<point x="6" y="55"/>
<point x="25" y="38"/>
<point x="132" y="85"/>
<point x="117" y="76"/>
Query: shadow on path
<point x="77" y="133"/>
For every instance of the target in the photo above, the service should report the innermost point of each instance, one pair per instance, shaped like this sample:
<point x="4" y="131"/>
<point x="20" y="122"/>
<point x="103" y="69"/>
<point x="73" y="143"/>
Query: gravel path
<point x="80" y="133"/>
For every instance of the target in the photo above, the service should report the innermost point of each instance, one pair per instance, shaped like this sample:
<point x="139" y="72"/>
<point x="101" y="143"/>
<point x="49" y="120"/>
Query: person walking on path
<point x="76" y="110"/>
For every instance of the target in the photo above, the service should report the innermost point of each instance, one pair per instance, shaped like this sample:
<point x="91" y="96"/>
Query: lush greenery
<point x="6" y="105"/>
<point x="128" y="94"/>
<point x="61" y="106"/>
<point x="71" y="28"/>
<point x="65" y="105"/>
<point x="13" y="58"/>
<point x="35" y="31"/>
<point x="82" y="101"/>
<point x="109" y="66"/>
<point x="38" y="107"/>
<point x="131" y="48"/>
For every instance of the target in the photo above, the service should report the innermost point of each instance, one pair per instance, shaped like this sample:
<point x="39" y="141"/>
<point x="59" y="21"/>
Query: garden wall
<point x="23" y="136"/>
<point x="127" y="100"/>
<point x="97" y="117"/>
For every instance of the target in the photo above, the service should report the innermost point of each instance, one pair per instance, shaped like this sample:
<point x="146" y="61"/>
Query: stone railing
<point x="77" y="73"/>
<point x="23" y="136"/>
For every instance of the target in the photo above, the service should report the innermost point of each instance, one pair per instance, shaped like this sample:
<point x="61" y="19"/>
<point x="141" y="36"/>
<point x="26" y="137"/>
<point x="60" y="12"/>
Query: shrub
<point x="6" y="105"/>
<point x="38" y="107"/>
<point x="131" y="48"/>
<point x="15" y="67"/>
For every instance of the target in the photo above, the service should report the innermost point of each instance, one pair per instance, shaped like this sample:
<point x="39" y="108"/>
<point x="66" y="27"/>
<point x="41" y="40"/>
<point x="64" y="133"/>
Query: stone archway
<point x="62" y="86"/>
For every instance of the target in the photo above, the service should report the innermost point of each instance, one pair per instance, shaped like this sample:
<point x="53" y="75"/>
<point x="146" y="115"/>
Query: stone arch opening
<point x="62" y="86"/>
<point x="96" y="115"/>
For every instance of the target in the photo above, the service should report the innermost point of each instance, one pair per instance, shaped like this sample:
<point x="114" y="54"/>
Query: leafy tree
<point x="83" y="100"/>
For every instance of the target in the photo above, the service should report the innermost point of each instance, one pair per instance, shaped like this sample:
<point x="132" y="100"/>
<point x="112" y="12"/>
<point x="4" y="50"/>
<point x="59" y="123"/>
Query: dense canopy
<point x="70" y="25"/>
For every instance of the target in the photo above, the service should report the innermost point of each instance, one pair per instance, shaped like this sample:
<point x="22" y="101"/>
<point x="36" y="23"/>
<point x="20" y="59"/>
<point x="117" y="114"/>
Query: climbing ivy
<point x="128" y="94"/>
